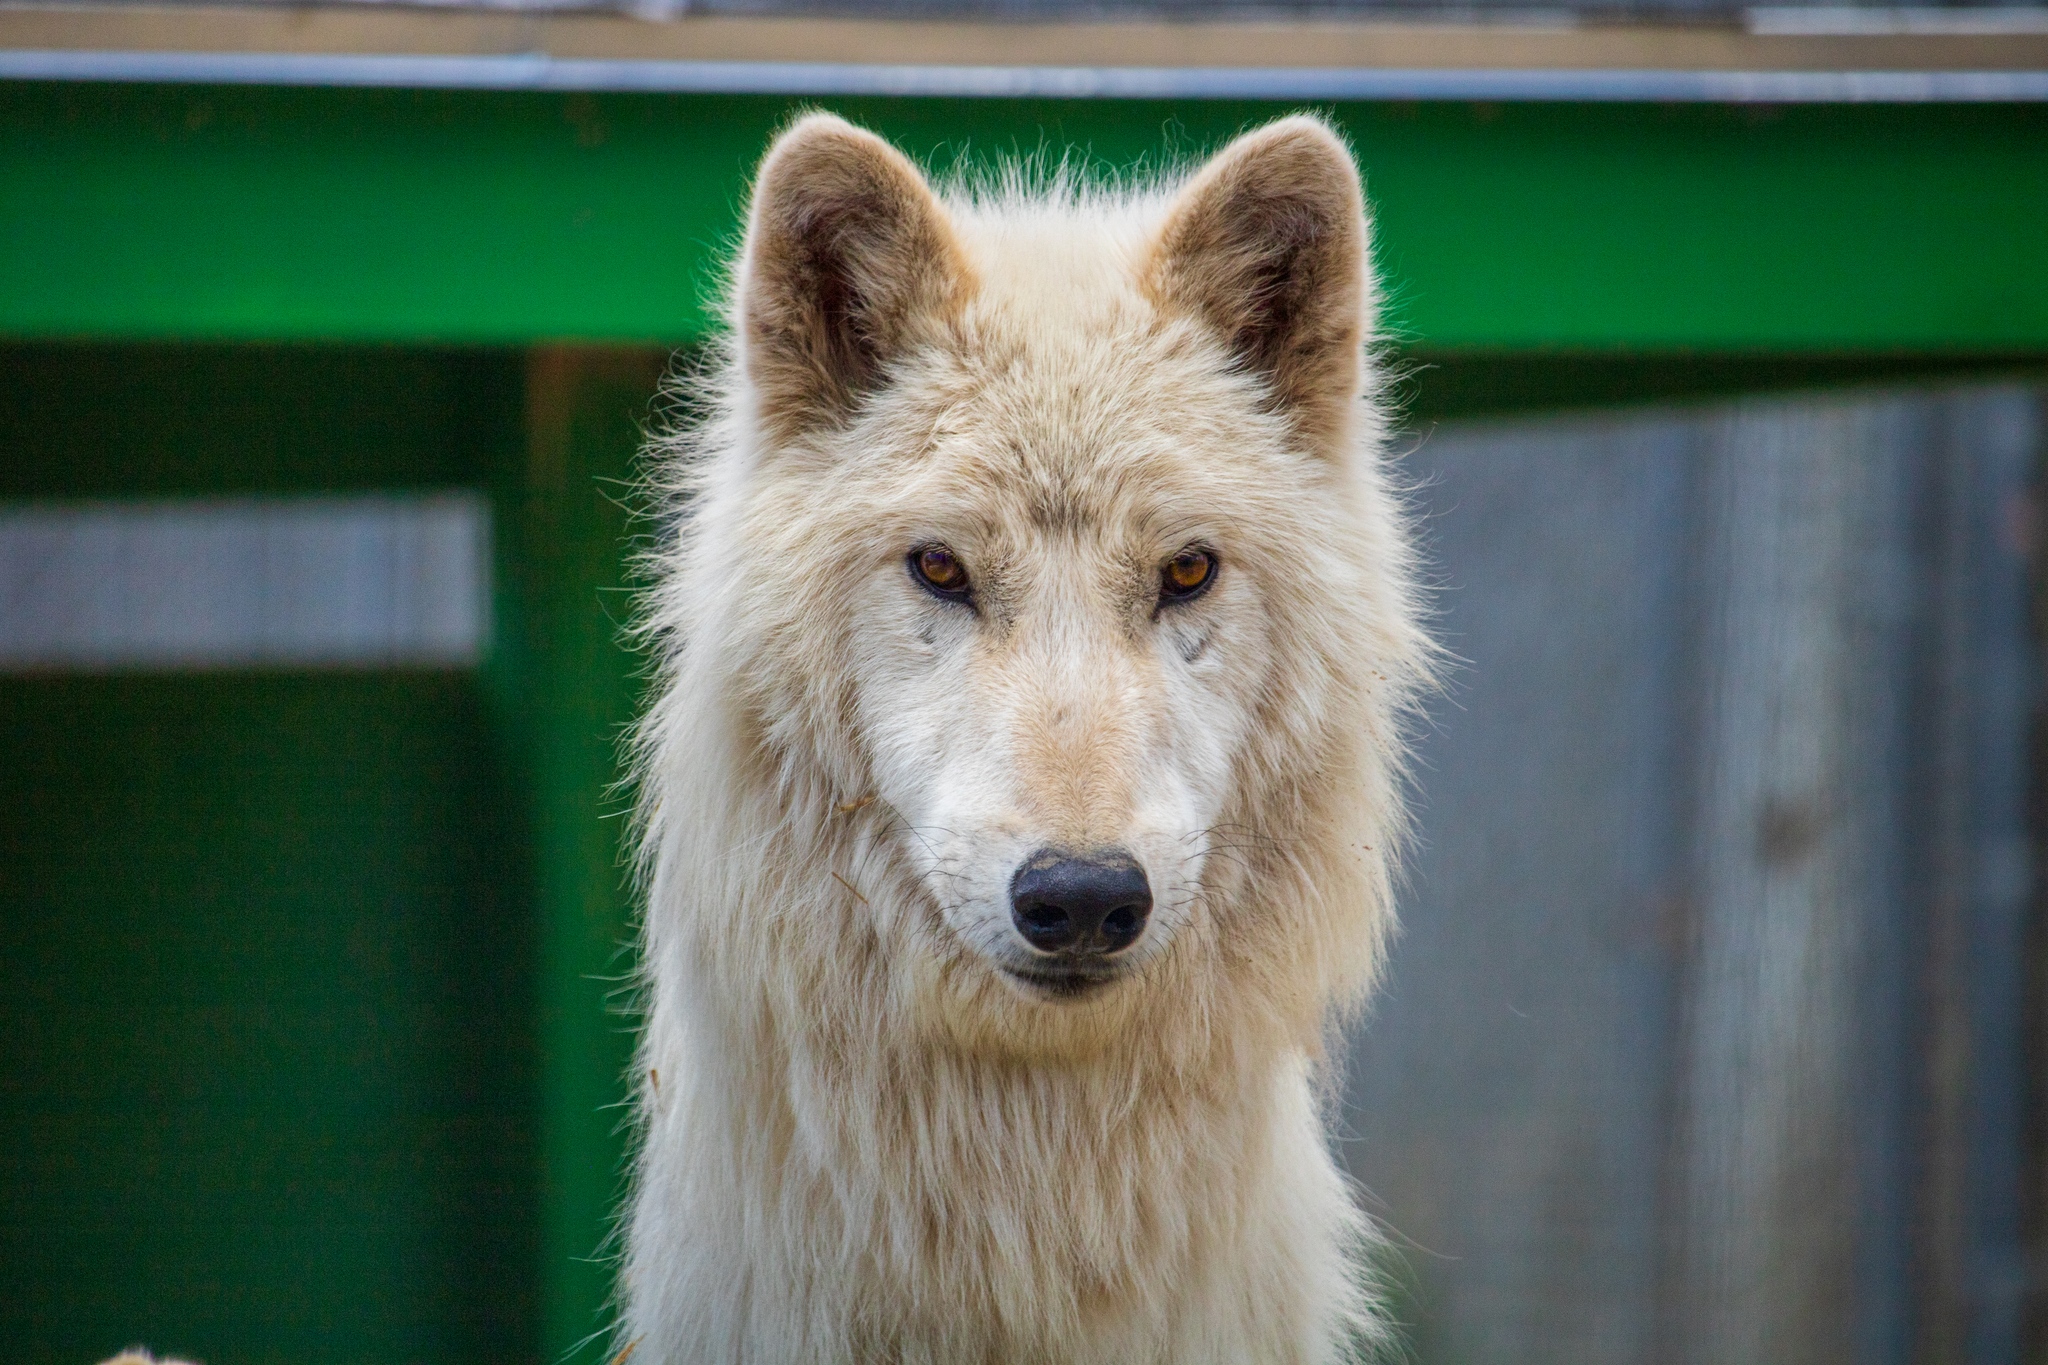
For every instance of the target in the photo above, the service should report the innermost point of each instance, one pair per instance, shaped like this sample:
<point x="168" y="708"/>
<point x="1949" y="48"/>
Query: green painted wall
<point x="180" y="212"/>
<point x="567" y="689"/>
<point x="152" y="420"/>
<point x="513" y="768"/>
<point x="268" y="941"/>
<point x="268" y="1096"/>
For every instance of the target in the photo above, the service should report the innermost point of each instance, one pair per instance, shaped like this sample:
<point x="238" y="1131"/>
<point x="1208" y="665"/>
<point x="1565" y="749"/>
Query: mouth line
<point x="1068" y="985"/>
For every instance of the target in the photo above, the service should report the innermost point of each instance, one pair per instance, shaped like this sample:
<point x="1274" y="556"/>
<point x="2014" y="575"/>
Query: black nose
<point x="1063" y="903"/>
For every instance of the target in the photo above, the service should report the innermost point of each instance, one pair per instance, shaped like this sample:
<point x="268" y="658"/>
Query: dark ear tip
<point x="803" y="141"/>
<point x="824" y="170"/>
<point x="824" y="156"/>
<point x="813" y="121"/>
<point x="1309" y="129"/>
<point x="816" y="129"/>
<point x="1301" y="152"/>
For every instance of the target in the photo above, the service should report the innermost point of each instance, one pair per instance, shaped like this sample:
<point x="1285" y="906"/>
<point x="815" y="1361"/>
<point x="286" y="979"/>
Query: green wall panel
<point x="268" y="942"/>
<point x="514" y="768"/>
<point x="264" y="968"/>
<point x="157" y="211"/>
<point x="566" y="686"/>
<point x="125" y="420"/>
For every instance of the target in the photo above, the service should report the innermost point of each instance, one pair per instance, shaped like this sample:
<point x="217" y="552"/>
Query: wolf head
<point x="1044" y="588"/>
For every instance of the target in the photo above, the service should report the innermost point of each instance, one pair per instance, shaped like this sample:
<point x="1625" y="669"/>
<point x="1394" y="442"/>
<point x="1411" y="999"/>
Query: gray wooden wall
<point x="1703" y="1041"/>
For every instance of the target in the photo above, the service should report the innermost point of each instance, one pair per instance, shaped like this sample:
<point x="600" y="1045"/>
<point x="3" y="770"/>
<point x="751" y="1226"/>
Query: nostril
<point x="1080" y="904"/>
<point x="1046" y="927"/>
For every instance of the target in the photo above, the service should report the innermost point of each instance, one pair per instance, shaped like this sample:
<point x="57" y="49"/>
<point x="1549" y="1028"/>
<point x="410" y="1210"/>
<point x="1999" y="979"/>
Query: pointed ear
<point x="1267" y="246"/>
<point x="850" y="261"/>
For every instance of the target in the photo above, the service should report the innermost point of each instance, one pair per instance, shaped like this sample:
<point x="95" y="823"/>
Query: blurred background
<point x="328" y="335"/>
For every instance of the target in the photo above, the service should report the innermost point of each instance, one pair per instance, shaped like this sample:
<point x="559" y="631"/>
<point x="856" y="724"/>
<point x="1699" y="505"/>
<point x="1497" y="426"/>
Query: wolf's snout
<point x="1080" y="905"/>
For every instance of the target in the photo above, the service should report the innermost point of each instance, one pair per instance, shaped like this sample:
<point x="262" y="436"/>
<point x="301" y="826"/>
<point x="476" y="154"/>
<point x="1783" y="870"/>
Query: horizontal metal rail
<point x="538" y="71"/>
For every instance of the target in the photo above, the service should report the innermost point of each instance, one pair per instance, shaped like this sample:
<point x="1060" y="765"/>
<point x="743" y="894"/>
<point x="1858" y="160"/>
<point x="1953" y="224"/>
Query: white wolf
<point x="1019" y="796"/>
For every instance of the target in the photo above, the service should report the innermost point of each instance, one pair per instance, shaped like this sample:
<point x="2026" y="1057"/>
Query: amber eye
<point x="939" y="569"/>
<point x="1187" y="574"/>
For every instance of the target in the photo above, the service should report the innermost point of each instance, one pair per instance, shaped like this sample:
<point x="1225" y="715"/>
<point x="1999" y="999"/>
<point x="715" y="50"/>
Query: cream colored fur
<point x="863" y="1140"/>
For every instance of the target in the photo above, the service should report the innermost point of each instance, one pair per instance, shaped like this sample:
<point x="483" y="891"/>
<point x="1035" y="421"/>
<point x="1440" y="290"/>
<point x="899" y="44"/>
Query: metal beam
<point x="539" y="71"/>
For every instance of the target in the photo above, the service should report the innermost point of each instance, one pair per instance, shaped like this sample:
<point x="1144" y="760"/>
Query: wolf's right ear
<point x="850" y="261"/>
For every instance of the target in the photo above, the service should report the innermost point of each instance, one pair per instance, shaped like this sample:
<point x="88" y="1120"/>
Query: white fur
<point x="862" y="1141"/>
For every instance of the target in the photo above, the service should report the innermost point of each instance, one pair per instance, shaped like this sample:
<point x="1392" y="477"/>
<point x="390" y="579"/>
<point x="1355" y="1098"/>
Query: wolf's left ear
<point x="1267" y="245"/>
<point x="850" y="262"/>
